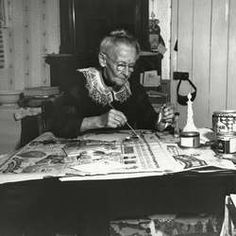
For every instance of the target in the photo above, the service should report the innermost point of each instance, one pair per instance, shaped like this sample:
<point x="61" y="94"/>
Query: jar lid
<point x="224" y="112"/>
<point x="189" y="134"/>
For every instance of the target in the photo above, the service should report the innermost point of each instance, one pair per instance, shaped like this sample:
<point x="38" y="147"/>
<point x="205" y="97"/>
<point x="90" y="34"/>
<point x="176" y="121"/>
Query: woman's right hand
<point x="113" y="119"/>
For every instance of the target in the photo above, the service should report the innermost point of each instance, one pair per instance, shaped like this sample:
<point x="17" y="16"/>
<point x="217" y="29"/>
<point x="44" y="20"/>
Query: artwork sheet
<point x="106" y="155"/>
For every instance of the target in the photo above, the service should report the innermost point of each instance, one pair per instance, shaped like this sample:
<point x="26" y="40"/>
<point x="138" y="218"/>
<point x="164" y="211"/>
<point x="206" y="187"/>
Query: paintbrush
<point x="127" y="123"/>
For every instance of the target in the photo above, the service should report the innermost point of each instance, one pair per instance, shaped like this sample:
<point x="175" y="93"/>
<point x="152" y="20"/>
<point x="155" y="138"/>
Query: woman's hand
<point x="168" y="114"/>
<point x="166" y="117"/>
<point x="113" y="119"/>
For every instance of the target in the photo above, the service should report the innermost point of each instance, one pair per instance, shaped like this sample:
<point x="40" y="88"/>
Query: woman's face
<point x="120" y="63"/>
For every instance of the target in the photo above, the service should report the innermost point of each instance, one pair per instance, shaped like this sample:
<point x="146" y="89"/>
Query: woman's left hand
<point x="166" y="117"/>
<point x="168" y="114"/>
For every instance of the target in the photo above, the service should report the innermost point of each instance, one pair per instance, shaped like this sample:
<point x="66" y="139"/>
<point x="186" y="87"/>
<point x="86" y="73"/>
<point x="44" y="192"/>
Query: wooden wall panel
<point x="218" y="64"/>
<point x="185" y="39"/>
<point x="201" y="60"/>
<point x="43" y="45"/>
<point x="9" y="36"/>
<point x="33" y="32"/>
<point x="17" y="78"/>
<point x="4" y="73"/>
<point x="35" y="42"/>
<point x="231" y="76"/>
<point x="208" y="53"/>
<point x="185" y="35"/>
<point x="53" y="26"/>
<point x="27" y="45"/>
<point x="173" y="52"/>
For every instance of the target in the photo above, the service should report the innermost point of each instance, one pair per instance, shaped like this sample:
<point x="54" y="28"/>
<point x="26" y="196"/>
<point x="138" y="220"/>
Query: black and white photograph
<point x="117" y="118"/>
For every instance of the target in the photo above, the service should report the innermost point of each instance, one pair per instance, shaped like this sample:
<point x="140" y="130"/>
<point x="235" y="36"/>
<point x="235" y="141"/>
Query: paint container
<point x="190" y="139"/>
<point x="224" y="123"/>
<point x="224" y="126"/>
<point x="226" y="145"/>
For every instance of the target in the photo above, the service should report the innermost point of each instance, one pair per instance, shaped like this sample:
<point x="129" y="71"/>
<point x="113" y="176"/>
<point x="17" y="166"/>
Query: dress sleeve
<point x="146" y="115"/>
<point x="67" y="115"/>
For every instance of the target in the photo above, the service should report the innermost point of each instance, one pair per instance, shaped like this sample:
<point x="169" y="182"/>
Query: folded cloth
<point x="29" y="111"/>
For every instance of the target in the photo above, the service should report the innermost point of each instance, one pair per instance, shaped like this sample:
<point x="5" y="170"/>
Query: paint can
<point x="226" y="145"/>
<point x="190" y="139"/>
<point x="224" y="123"/>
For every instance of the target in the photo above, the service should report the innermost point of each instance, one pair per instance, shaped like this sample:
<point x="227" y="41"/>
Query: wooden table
<point x="49" y="206"/>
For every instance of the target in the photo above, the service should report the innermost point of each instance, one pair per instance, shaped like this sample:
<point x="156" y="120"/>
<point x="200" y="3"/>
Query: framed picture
<point x="151" y="79"/>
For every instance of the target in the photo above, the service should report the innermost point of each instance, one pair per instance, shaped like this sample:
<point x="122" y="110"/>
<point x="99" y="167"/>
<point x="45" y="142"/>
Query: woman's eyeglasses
<point x="121" y="66"/>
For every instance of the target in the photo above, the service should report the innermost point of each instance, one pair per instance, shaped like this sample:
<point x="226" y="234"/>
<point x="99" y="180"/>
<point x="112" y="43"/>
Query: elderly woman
<point x="107" y="97"/>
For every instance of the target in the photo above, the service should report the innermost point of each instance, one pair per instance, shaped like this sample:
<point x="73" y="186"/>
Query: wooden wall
<point x="206" y="34"/>
<point x="205" y="30"/>
<point x="32" y="32"/>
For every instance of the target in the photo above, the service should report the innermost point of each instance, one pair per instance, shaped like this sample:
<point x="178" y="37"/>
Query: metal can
<point x="224" y="122"/>
<point x="190" y="139"/>
<point x="226" y="145"/>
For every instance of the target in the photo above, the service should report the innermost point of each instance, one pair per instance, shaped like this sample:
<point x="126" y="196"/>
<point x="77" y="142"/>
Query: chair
<point x="34" y="121"/>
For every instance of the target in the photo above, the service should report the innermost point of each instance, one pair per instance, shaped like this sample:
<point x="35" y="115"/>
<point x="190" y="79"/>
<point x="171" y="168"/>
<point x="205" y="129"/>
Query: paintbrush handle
<point x="127" y="123"/>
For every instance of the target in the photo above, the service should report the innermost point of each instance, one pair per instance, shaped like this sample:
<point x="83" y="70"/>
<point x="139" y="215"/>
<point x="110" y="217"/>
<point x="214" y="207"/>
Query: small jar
<point x="190" y="139"/>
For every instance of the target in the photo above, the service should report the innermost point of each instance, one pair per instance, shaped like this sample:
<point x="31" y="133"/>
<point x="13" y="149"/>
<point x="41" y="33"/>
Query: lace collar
<point x="101" y="93"/>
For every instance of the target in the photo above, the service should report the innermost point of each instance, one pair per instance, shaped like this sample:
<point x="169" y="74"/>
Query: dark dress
<point x="70" y="109"/>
